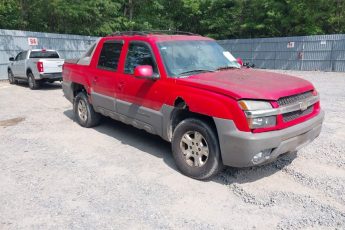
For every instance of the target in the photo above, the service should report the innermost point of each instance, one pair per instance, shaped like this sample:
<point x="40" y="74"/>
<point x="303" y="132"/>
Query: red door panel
<point x="139" y="92"/>
<point x="103" y="78"/>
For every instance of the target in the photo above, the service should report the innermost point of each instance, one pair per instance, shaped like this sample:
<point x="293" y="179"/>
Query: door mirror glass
<point x="11" y="59"/>
<point x="143" y="71"/>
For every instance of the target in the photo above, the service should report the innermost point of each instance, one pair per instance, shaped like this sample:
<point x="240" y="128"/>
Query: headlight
<point x="258" y="122"/>
<point x="261" y="122"/>
<point x="254" y="105"/>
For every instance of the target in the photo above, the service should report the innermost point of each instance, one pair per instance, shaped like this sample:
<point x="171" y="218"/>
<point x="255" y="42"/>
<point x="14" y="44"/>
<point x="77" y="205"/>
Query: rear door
<point x="104" y="76"/>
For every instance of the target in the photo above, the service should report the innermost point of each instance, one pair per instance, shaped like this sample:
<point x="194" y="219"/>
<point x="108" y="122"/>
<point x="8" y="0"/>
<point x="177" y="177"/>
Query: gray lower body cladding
<point x="68" y="90"/>
<point x="238" y="148"/>
<point x="152" y="121"/>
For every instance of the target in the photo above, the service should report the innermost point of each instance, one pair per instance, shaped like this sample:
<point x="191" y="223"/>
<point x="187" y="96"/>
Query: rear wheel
<point x="84" y="112"/>
<point x="11" y="77"/>
<point x="196" y="150"/>
<point x="33" y="84"/>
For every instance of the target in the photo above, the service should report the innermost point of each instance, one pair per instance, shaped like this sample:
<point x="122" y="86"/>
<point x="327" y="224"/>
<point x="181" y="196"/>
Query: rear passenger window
<point x="110" y="55"/>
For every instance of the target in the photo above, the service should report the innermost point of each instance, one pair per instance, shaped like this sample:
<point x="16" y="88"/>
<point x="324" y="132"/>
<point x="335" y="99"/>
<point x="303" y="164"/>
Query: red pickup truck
<point x="188" y="90"/>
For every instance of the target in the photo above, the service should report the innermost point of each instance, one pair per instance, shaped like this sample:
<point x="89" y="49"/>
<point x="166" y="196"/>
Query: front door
<point x="104" y="76"/>
<point x="21" y="65"/>
<point x="139" y="98"/>
<point x="15" y="65"/>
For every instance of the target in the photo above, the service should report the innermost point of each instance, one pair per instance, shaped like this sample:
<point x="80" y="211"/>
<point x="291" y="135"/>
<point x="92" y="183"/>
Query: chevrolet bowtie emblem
<point x="303" y="105"/>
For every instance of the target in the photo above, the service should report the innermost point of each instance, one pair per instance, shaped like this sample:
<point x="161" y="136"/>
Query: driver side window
<point x="139" y="54"/>
<point x="18" y="56"/>
<point x="23" y="55"/>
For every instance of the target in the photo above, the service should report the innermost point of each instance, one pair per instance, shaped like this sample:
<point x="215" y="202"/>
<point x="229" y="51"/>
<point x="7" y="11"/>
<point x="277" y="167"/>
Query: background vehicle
<point x="192" y="93"/>
<point x="35" y="66"/>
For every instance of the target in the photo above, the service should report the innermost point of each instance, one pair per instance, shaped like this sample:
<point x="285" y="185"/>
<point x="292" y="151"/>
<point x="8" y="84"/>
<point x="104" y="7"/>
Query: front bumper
<point x="238" y="148"/>
<point x="51" y="76"/>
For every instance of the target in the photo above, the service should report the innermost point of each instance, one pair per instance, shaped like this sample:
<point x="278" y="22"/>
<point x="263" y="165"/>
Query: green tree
<point x="216" y="18"/>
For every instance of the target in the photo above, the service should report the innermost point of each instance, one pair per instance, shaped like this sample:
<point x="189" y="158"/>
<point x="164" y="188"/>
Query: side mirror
<point x="248" y="65"/>
<point x="143" y="71"/>
<point x="11" y="59"/>
<point x="239" y="61"/>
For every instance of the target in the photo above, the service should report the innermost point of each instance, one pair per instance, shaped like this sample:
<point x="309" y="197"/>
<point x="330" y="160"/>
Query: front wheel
<point x="84" y="112"/>
<point x="11" y="77"/>
<point x="196" y="150"/>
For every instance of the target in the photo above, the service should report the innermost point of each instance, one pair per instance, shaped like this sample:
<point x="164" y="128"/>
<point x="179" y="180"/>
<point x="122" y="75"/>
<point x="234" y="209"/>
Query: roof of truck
<point x="159" y="35"/>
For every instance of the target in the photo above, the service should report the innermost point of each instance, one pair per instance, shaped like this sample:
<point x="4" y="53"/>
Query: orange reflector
<point x="243" y="105"/>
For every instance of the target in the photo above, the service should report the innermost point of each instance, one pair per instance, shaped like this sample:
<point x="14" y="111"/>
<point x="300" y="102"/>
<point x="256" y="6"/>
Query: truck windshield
<point x="44" y="54"/>
<point x="183" y="58"/>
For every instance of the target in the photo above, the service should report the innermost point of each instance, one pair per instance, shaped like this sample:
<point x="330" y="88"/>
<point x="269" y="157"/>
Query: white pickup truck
<point x="35" y="66"/>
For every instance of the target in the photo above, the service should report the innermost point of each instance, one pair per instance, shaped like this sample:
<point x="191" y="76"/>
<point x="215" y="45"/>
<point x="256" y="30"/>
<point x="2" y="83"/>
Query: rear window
<point x="89" y="52"/>
<point x="44" y="54"/>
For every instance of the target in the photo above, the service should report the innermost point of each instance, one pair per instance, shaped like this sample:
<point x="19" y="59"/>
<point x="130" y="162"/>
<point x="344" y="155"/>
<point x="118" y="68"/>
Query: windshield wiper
<point x="196" y="71"/>
<point x="227" y="67"/>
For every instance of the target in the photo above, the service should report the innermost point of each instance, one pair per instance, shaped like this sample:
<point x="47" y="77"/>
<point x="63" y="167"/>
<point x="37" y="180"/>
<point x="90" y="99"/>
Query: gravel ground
<point x="55" y="174"/>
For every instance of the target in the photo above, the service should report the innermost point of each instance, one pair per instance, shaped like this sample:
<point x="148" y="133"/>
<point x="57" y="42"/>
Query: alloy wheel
<point x="82" y="110"/>
<point x="194" y="148"/>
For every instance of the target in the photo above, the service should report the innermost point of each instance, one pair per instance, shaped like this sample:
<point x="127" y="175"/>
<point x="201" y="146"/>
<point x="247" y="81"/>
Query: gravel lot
<point x="55" y="174"/>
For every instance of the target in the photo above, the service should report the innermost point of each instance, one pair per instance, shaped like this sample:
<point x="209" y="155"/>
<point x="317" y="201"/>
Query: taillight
<point x="40" y="66"/>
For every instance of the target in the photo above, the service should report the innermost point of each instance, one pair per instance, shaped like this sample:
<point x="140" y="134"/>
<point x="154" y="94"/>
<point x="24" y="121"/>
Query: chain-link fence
<point x="13" y="41"/>
<point x="321" y="52"/>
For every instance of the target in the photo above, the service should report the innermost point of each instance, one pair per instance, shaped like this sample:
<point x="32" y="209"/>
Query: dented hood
<point x="248" y="83"/>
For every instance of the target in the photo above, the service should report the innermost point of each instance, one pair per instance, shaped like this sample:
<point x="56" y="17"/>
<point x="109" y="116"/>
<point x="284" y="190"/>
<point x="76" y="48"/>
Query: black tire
<point x="211" y="165"/>
<point x="33" y="83"/>
<point x="92" y="118"/>
<point x="11" y="77"/>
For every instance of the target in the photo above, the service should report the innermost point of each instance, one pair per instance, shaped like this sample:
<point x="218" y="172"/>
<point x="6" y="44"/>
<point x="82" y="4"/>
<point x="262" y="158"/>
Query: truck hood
<point x="248" y="84"/>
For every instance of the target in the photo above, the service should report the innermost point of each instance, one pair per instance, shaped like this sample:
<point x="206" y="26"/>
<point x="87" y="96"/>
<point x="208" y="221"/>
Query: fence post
<point x="331" y="57"/>
<point x="275" y="55"/>
<point x="301" y="66"/>
<point x="252" y="51"/>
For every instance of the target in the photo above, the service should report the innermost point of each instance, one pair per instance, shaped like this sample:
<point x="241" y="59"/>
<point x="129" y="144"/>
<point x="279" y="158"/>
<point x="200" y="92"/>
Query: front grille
<point x="296" y="114"/>
<point x="294" y="98"/>
<point x="284" y="101"/>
